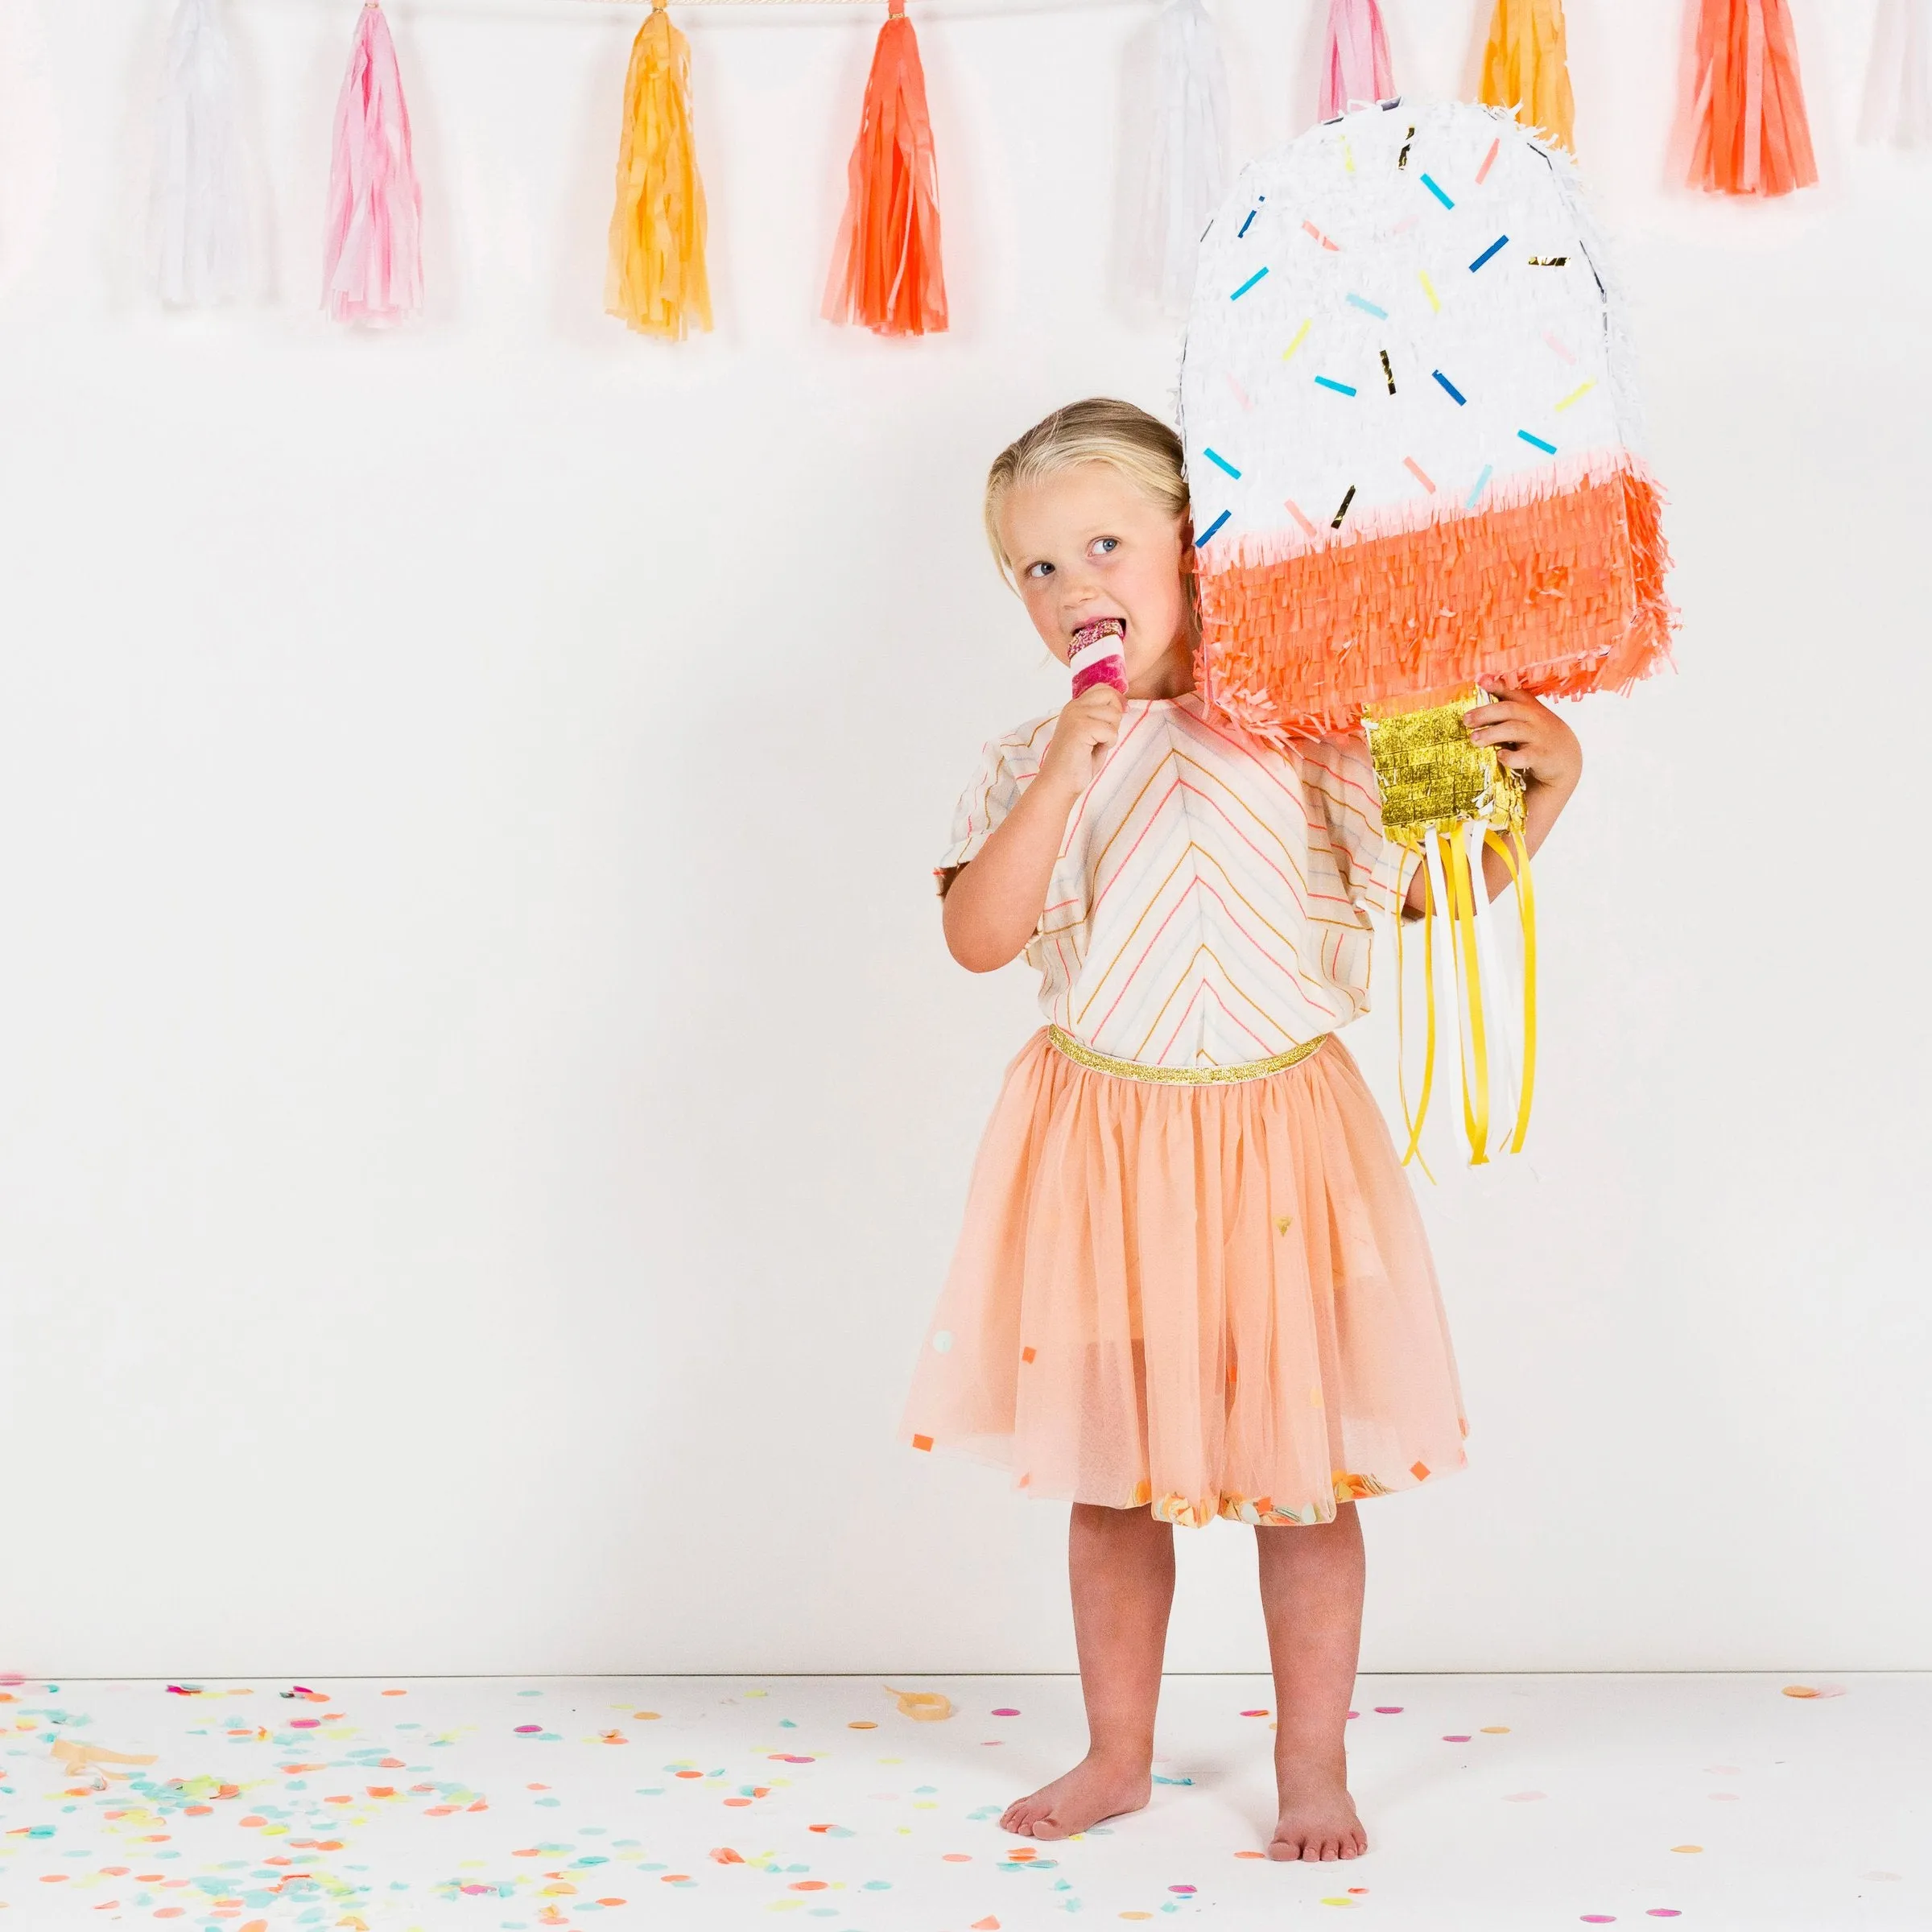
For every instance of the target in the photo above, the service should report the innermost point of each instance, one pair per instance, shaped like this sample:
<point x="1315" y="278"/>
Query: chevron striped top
<point x="1210" y="904"/>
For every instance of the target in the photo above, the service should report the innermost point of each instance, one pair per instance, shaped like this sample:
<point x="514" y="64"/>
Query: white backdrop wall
<point x="484" y="1106"/>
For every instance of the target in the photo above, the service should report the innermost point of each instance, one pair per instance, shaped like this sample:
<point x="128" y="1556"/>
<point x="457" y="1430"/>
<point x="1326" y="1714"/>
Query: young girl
<point x="1192" y="1280"/>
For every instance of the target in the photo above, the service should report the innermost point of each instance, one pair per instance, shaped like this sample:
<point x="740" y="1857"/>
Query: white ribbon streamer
<point x="198" y="212"/>
<point x="1187" y="154"/>
<point x="1898" y="88"/>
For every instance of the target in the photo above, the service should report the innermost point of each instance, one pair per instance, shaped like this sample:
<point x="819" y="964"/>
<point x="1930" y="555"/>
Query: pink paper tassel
<point x="1355" y="69"/>
<point x="374" y="261"/>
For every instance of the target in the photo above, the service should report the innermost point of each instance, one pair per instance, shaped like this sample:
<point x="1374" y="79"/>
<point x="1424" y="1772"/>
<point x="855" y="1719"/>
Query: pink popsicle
<point x="1099" y="656"/>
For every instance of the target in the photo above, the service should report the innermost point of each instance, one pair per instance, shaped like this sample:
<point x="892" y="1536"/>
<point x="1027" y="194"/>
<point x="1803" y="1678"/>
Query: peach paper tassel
<point x="374" y="243"/>
<point x="656" y="282"/>
<point x="1526" y="67"/>
<point x="886" y="271"/>
<point x="1748" y="105"/>
<point x="1355" y="67"/>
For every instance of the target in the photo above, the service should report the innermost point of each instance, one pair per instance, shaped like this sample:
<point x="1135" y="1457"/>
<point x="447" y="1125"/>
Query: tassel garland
<point x="1747" y="113"/>
<point x="1355" y="69"/>
<point x="886" y="272"/>
<point x="656" y="282"/>
<point x="1186" y="154"/>
<point x="200" y="213"/>
<point x="1526" y="67"/>
<point x="374" y="268"/>
<point x="1898" y="91"/>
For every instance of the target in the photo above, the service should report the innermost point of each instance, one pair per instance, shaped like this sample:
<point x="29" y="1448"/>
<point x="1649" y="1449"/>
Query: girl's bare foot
<point x="1093" y="1789"/>
<point x="1318" y="1819"/>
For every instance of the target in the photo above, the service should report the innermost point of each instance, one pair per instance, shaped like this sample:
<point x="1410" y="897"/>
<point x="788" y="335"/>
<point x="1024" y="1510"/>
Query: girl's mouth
<point x="1100" y="627"/>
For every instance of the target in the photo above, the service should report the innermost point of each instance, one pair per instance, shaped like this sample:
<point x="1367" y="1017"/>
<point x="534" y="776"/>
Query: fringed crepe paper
<point x="886" y="272"/>
<point x="200" y="221"/>
<point x="1748" y="104"/>
<point x="1187" y="152"/>
<point x="1526" y="67"/>
<point x="374" y="268"/>
<point x="1898" y="88"/>
<point x="656" y="282"/>
<point x="1412" y="451"/>
<point x="1355" y="65"/>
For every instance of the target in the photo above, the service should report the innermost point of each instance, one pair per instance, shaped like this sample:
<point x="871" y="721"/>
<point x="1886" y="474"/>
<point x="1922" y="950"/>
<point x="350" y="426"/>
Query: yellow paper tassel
<point x="1526" y="67"/>
<point x="656" y="282"/>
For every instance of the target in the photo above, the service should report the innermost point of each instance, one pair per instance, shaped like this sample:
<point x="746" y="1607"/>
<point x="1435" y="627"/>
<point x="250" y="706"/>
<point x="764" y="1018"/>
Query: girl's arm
<point x="994" y="905"/>
<point x="1529" y="737"/>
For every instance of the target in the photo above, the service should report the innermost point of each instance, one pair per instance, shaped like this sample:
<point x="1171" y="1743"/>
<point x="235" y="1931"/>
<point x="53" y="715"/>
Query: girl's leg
<point x="1121" y="1564"/>
<point x="1312" y="1598"/>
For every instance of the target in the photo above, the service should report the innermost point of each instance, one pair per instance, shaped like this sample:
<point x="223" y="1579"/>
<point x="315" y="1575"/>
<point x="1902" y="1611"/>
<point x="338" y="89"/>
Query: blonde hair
<point x="1141" y="447"/>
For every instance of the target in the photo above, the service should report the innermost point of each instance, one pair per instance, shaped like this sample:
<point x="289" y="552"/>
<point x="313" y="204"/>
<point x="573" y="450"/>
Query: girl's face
<point x="1086" y="543"/>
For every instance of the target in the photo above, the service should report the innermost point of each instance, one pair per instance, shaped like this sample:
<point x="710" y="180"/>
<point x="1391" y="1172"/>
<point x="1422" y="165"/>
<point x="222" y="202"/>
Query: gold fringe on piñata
<point x="1445" y="799"/>
<point x="656" y="282"/>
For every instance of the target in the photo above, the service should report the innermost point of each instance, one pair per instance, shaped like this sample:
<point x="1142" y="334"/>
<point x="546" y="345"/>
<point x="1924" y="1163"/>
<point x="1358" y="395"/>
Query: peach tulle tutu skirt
<point x="1214" y="1299"/>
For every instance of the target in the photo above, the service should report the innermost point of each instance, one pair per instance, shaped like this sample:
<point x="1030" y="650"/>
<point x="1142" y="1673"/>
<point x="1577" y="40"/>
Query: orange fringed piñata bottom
<point x="1555" y="587"/>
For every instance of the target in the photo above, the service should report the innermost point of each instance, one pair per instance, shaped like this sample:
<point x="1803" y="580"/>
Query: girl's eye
<point x="1036" y="570"/>
<point x="1106" y="546"/>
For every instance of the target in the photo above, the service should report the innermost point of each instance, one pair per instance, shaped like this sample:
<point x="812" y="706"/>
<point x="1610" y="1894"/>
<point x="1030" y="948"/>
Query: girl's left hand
<point x="1530" y="737"/>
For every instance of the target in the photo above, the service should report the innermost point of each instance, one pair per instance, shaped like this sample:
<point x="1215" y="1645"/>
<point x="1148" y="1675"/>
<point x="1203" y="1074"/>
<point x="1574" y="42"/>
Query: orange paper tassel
<point x="1749" y="104"/>
<point x="1526" y="67"/>
<point x="657" y="281"/>
<point x="886" y="271"/>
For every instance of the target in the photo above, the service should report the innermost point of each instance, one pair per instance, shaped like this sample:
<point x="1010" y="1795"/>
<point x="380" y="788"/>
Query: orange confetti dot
<point x="1686" y="1847"/>
<point x="252" y="1819"/>
<point x="602" y="1901"/>
<point x="737" y="1801"/>
<point x="861" y="1724"/>
<point x="808" y="1884"/>
<point x="922" y="1442"/>
<point x="53" y="1878"/>
<point x="957" y="1858"/>
<point x="1419" y="1471"/>
<point x="1026" y="1355"/>
<point x="677" y="1878"/>
<point x="197" y="1811"/>
<point x="385" y="1693"/>
<point x="1494" y="1730"/>
<point x="723" y="1854"/>
<point x="985" y="1925"/>
<point x="1799" y="1691"/>
<point x="256" y="1924"/>
<point x="1251" y="1855"/>
<point x="644" y="1716"/>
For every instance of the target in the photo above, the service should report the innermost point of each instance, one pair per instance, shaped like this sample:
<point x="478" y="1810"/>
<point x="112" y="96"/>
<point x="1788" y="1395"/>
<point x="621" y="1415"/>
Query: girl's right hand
<point x="1083" y="735"/>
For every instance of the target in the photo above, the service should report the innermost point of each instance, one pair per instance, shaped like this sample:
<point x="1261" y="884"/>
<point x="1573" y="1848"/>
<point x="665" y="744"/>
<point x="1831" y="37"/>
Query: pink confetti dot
<point x="526" y="1730"/>
<point x="1355" y="1714"/>
<point x="1451" y="1737"/>
<point x="1387" y="1710"/>
<point x="1005" y="1711"/>
<point x="1663" y="1912"/>
<point x="1600" y="1918"/>
<point x="1180" y="1887"/>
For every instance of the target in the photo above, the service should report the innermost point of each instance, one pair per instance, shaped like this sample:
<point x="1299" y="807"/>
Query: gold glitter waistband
<point x="1181" y="1076"/>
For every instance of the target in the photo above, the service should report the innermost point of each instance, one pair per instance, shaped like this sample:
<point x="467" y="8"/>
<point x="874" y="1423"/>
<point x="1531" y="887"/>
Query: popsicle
<point x="1099" y="656"/>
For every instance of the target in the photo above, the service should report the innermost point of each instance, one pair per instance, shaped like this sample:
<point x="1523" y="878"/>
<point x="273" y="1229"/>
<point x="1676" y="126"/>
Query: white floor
<point x="503" y="1806"/>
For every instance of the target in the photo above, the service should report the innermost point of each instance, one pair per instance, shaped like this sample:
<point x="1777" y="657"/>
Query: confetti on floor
<point x="497" y="1804"/>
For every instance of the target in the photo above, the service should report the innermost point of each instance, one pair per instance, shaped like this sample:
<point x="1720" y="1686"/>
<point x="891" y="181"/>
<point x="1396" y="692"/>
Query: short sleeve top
<point x="1210" y="904"/>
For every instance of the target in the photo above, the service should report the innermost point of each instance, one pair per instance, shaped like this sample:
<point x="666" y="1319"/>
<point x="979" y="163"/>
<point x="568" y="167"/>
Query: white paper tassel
<point x="1187" y="155"/>
<point x="201" y="241"/>
<point x="1898" y="91"/>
